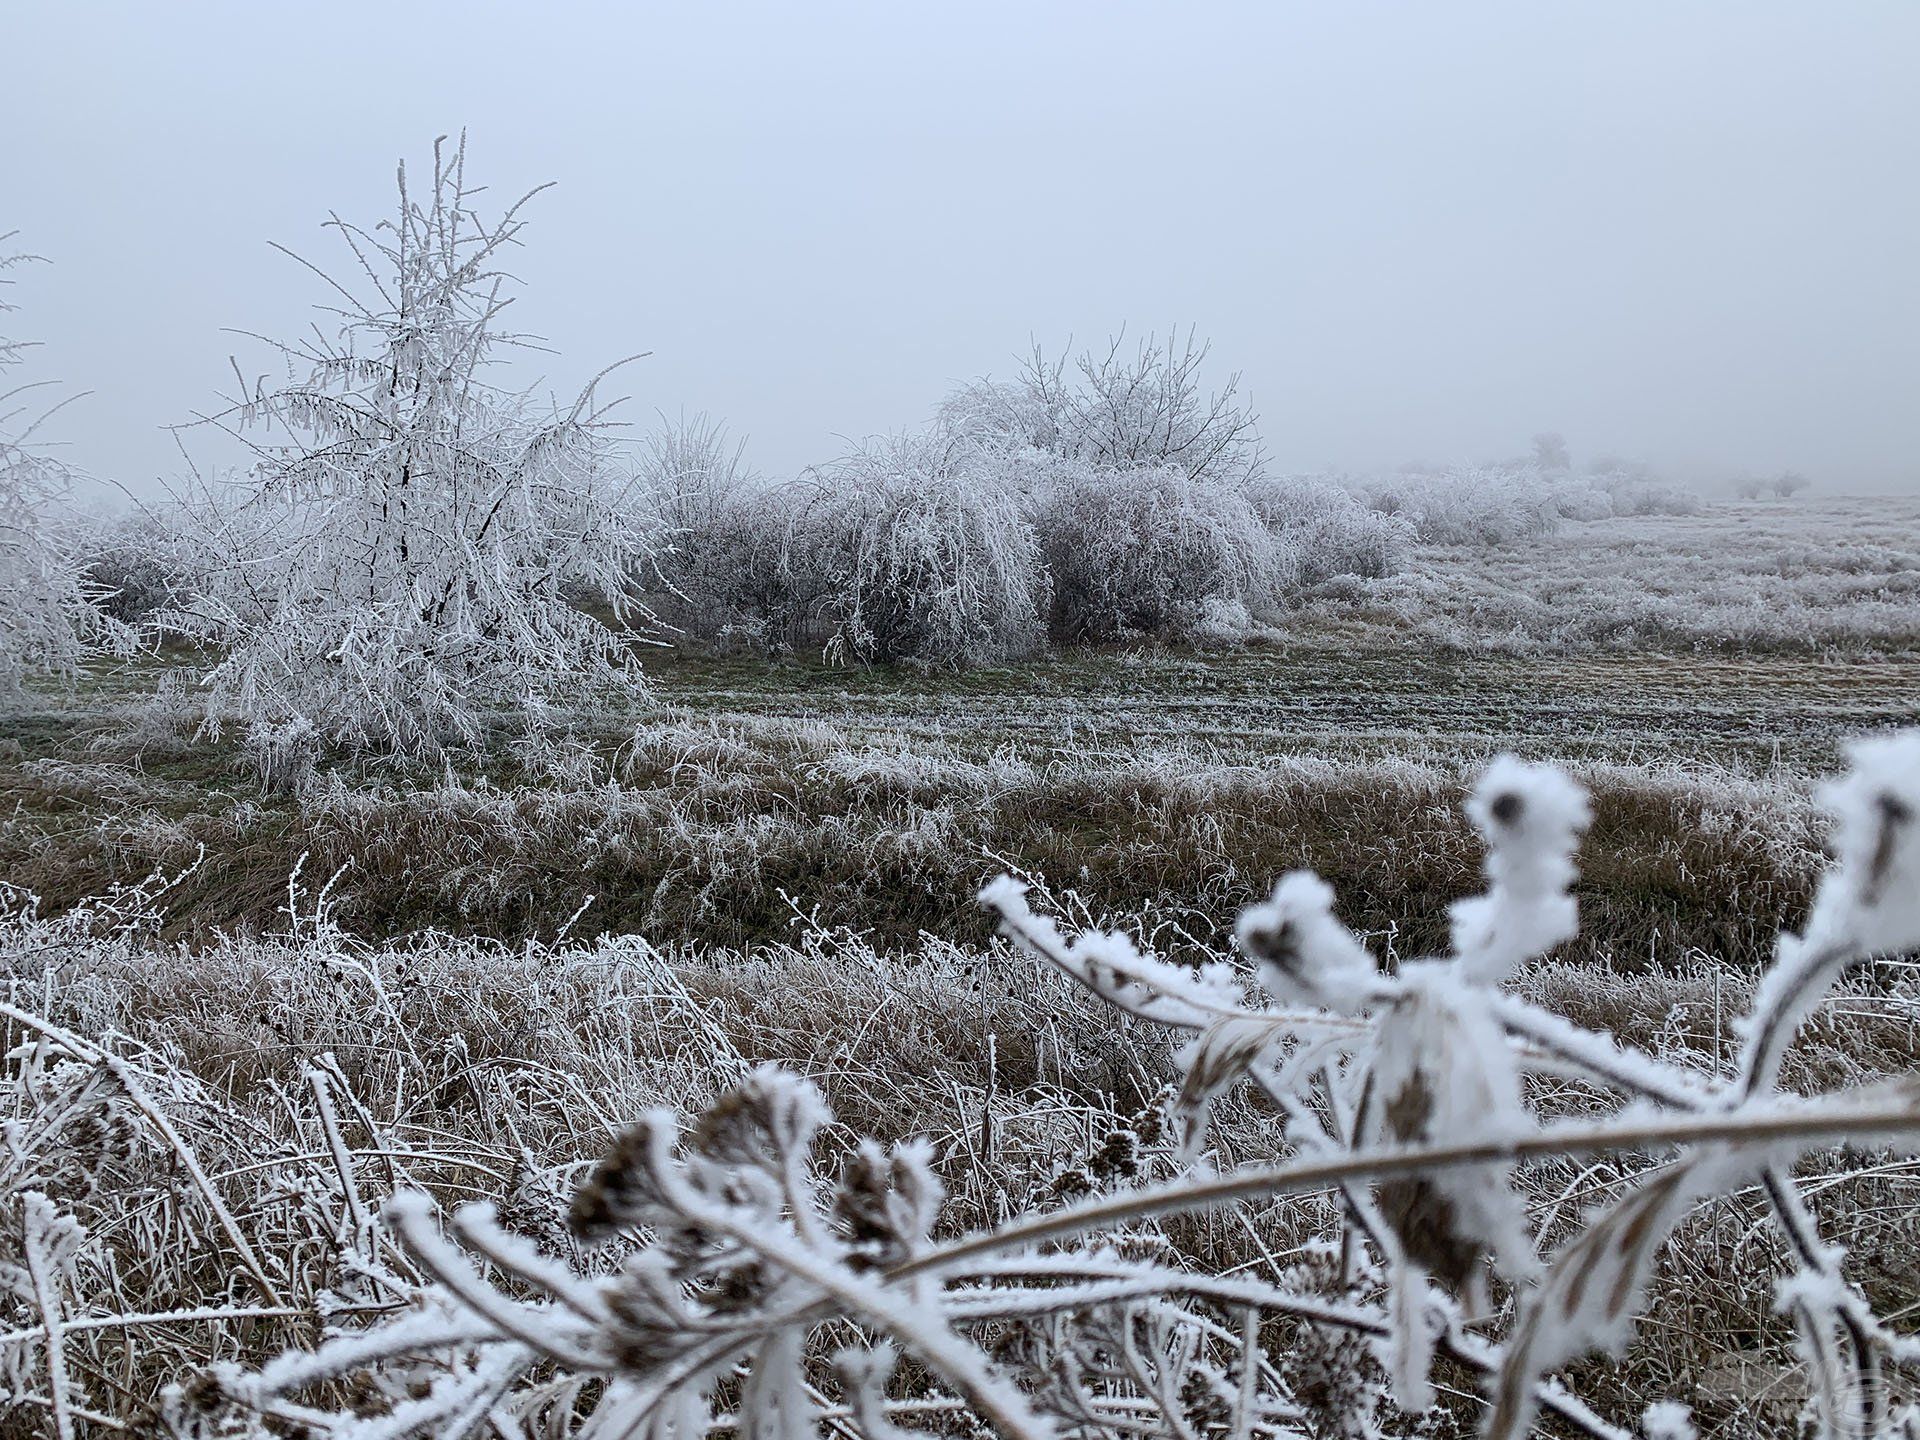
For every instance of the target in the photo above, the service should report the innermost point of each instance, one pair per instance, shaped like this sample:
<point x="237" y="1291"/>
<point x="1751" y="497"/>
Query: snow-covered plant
<point x="1005" y="414"/>
<point x="136" y="563"/>
<point x="1632" y="488"/>
<point x="1470" y="505"/>
<point x="48" y="621"/>
<point x="920" y="550"/>
<point x="1149" y="551"/>
<point x="400" y="567"/>
<point x="721" y="571"/>
<point x="1550" y="455"/>
<point x="1436" y="1065"/>
<point x="1324" y="531"/>
<point x="1143" y="410"/>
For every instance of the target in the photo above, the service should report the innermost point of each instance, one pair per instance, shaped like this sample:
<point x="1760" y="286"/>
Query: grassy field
<point x="1176" y="784"/>
<point x="1256" y="702"/>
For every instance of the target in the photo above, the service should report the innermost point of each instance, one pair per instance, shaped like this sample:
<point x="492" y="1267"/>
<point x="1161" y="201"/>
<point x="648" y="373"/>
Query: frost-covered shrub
<point x="721" y="572"/>
<point x="1324" y="531"/>
<point x="1008" y="415"/>
<point x="1579" y="500"/>
<point x="400" y="569"/>
<point x="1632" y="488"/>
<point x="917" y="548"/>
<point x="47" y="625"/>
<point x="137" y="565"/>
<point x="1150" y="551"/>
<point x="1472" y="505"/>
<point x="48" y="622"/>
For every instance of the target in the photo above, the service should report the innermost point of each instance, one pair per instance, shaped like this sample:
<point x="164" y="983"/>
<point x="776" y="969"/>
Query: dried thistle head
<point x="1117" y="1157"/>
<point x="769" y="1115"/>
<point x="624" y="1188"/>
<point x="739" y="1289"/>
<point x="887" y="1202"/>
<point x="653" y="1325"/>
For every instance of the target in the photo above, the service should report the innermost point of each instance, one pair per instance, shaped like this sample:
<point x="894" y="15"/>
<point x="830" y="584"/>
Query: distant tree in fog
<point x="1550" y="453"/>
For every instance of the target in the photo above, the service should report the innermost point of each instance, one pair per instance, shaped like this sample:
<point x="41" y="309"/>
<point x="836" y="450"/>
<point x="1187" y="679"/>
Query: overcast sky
<point x="1686" y="231"/>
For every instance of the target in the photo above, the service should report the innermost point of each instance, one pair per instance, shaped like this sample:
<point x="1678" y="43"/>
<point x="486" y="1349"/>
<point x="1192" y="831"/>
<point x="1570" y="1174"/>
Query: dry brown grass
<point x="499" y="1072"/>
<point x="719" y="833"/>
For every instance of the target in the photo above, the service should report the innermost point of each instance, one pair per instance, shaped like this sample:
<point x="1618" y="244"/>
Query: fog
<point x="1685" y="232"/>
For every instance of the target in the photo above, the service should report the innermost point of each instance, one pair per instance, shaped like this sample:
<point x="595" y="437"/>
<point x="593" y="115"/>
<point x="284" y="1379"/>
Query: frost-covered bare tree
<point x="48" y="622"/>
<point x="1148" y="408"/>
<point x="1550" y="453"/>
<point x="401" y="565"/>
<point x="1118" y="410"/>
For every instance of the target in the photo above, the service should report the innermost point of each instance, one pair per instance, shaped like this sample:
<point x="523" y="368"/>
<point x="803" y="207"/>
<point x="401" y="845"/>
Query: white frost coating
<point x="1875" y="880"/>
<point x="1443" y="1071"/>
<point x="1531" y="817"/>
<point x="1306" y="955"/>
<point x="1868" y="902"/>
<point x="1668" y="1420"/>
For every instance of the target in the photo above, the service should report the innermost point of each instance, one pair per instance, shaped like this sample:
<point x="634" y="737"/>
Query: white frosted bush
<point x="48" y="621"/>
<point x="1325" y="531"/>
<point x="401" y="566"/>
<point x="1151" y="497"/>
<point x="1632" y="488"/>
<point x="918" y="549"/>
<point x="1008" y="415"/>
<point x="1577" y="499"/>
<point x="721" y="572"/>
<point x="1150" y="551"/>
<point x="137" y="563"/>
<point x="1470" y="506"/>
<point x="1116" y="410"/>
